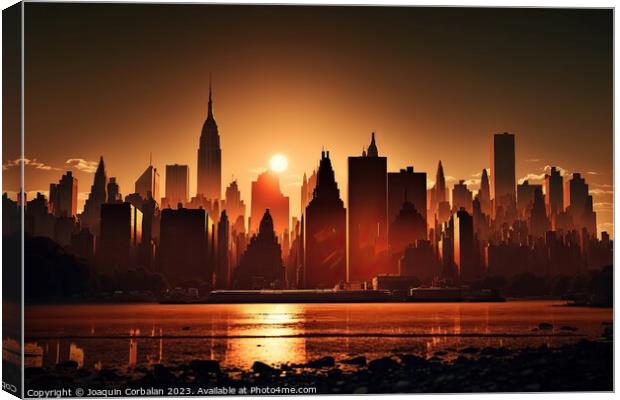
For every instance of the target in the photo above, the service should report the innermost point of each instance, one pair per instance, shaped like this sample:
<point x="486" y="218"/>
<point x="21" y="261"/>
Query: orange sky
<point x="125" y="80"/>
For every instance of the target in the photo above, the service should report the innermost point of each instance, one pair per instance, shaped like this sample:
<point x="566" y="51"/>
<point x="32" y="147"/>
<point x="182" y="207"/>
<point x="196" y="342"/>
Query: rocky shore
<point x="582" y="366"/>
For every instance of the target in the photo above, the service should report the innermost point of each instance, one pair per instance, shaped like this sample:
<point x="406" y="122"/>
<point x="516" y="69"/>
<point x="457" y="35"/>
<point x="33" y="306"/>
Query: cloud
<point x="532" y="160"/>
<point x="472" y="182"/>
<point x="449" y="178"/>
<point x="531" y="177"/>
<point x="602" y="185"/>
<point x="591" y="172"/>
<point x="603" y="206"/>
<point x="82" y="165"/>
<point x="34" y="163"/>
<point x="606" y="226"/>
<point x="601" y="191"/>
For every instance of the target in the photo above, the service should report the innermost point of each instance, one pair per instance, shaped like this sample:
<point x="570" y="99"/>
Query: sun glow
<point x="278" y="163"/>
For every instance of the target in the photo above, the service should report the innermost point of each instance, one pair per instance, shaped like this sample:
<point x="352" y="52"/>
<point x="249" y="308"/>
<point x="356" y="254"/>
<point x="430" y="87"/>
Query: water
<point x="129" y="335"/>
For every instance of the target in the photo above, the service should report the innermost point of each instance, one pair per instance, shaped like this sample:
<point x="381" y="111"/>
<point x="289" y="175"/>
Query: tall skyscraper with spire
<point x="91" y="215"/>
<point x="484" y="193"/>
<point x="210" y="157"/>
<point x="325" y="232"/>
<point x="368" y="217"/>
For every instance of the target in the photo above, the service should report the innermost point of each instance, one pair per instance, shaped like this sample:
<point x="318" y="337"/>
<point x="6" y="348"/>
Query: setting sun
<point x="278" y="163"/>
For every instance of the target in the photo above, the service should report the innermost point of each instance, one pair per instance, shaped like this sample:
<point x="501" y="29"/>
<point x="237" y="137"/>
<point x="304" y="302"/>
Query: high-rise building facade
<point x="367" y="214"/>
<point x="63" y="196"/>
<point x="91" y="216"/>
<point x="325" y="232"/>
<point x="121" y="233"/>
<point x="554" y="192"/>
<point x="177" y="186"/>
<point x="209" y="172"/>
<point x="147" y="185"/>
<point x="503" y="176"/>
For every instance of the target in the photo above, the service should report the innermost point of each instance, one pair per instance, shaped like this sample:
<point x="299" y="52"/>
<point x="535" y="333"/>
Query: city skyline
<point x="295" y="105"/>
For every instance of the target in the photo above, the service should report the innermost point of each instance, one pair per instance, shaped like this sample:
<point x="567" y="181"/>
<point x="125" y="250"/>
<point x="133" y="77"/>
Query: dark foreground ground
<point x="583" y="366"/>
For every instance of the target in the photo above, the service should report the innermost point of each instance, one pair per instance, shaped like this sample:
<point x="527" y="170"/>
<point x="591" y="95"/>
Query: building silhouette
<point x="554" y="193"/>
<point x="525" y="198"/>
<point x="261" y="266"/>
<point x="407" y="185"/>
<point x="461" y="197"/>
<point x="439" y="203"/>
<point x="266" y="194"/>
<point x="419" y="260"/>
<point x="222" y="269"/>
<point x="368" y="222"/>
<point x="578" y="202"/>
<point x="537" y="214"/>
<point x="465" y="255"/>
<point x="484" y="194"/>
<point x="325" y="232"/>
<point x="177" y="186"/>
<point x="503" y="171"/>
<point x="38" y="221"/>
<point x="147" y="185"/>
<point x="408" y="227"/>
<point x="114" y="192"/>
<point x="63" y="196"/>
<point x="209" y="172"/>
<point x="307" y="188"/>
<point x="121" y="232"/>
<point x="182" y="256"/>
<point x="235" y="208"/>
<point x="91" y="216"/>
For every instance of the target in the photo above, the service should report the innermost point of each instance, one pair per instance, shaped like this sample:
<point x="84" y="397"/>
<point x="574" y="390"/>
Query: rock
<point x="162" y="373"/>
<point x="72" y="365"/>
<point x="440" y="353"/>
<point x="361" y="390"/>
<point x="205" y="366"/>
<point x="568" y="328"/>
<point x="327" y="361"/>
<point x="469" y="350"/>
<point x="262" y="368"/>
<point x="360" y="360"/>
<point x="545" y="326"/>
<point x="411" y="361"/>
<point x="108" y="375"/>
<point x="383" y="364"/>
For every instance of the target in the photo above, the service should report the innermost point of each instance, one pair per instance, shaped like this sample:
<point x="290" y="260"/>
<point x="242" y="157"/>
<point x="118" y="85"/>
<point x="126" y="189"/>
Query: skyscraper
<point x="307" y="188"/>
<point x="209" y="158"/>
<point x="578" y="202"/>
<point x="461" y="197"/>
<point x="325" y="232"/>
<point x="235" y="208"/>
<point x="121" y="232"/>
<point x="177" y="186"/>
<point x="484" y="194"/>
<point x="554" y="192"/>
<point x="525" y="198"/>
<point x="222" y="269"/>
<point x="261" y="265"/>
<point x="439" y="204"/>
<point x="410" y="185"/>
<point x="367" y="214"/>
<point x="266" y="194"/>
<point x="182" y="255"/>
<point x="147" y="185"/>
<point x="464" y="247"/>
<point x="91" y="216"/>
<point x="114" y="194"/>
<point x="503" y="171"/>
<point x="63" y="196"/>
